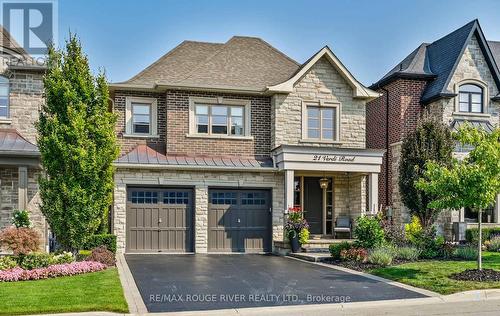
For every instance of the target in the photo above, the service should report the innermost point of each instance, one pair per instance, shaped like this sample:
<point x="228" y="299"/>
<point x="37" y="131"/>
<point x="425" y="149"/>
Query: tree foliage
<point x="431" y="141"/>
<point x="77" y="145"/>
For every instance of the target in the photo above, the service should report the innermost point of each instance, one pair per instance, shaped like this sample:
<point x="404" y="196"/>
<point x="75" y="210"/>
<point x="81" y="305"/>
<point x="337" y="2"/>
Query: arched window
<point x="471" y="98"/>
<point x="4" y="97"/>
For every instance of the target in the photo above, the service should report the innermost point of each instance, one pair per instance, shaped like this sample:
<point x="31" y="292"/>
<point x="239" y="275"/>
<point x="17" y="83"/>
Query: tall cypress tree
<point x="77" y="143"/>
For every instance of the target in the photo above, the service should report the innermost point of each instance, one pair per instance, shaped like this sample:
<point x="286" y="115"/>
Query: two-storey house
<point x="21" y="89"/>
<point x="453" y="80"/>
<point x="218" y="140"/>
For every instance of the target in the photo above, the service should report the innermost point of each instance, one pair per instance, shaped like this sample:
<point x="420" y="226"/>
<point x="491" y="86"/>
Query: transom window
<point x="219" y="119"/>
<point x="141" y="118"/>
<point x="4" y="97"/>
<point x="471" y="98"/>
<point x="321" y="122"/>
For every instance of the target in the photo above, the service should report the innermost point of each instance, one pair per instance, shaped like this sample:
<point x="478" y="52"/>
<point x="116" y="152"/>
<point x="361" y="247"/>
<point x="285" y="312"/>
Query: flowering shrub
<point x="354" y="254"/>
<point x="20" y="240"/>
<point x="103" y="255"/>
<point x="7" y="263"/>
<point x="65" y="257"/>
<point x="57" y="270"/>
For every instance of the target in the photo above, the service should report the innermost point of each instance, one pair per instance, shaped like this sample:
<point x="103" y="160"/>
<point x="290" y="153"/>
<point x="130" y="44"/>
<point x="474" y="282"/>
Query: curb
<point x="132" y="296"/>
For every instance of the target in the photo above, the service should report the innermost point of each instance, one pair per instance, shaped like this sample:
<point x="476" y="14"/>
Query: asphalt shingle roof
<point x="241" y="63"/>
<point x="437" y="61"/>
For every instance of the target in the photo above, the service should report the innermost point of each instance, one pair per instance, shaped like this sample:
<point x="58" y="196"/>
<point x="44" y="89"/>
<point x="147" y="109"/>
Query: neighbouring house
<point x="218" y="140"/>
<point x="21" y="90"/>
<point x="454" y="79"/>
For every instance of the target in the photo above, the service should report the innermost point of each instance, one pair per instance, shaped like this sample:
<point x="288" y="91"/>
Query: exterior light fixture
<point x="323" y="183"/>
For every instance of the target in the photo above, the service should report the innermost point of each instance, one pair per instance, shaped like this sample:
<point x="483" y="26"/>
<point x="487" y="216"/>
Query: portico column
<point x="289" y="189"/>
<point x="373" y="193"/>
<point x="22" y="187"/>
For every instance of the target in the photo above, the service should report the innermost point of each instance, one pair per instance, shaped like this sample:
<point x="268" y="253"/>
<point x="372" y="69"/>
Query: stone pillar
<point x="23" y="188"/>
<point x="372" y="193"/>
<point x="289" y="189"/>
<point x="201" y="219"/>
<point x="120" y="215"/>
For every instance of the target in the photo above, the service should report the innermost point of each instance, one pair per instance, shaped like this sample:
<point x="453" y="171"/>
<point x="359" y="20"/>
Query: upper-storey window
<point x="321" y="122"/>
<point x="141" y="117"/>
<point x="4" y="97"/>
<point x="471" y="98"/>
<point x="220" y="118"/>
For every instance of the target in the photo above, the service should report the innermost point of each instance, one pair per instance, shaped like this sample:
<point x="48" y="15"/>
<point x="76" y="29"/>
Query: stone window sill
<point x="468" y="114"/>
<point x="219" y="137"/>
<point x="140" y="136"/>
<point x="5" y="120"/>
<point x="319" y="141"/>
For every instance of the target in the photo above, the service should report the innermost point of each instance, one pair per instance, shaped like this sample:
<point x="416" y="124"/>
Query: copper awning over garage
<point x="16" y="150"/>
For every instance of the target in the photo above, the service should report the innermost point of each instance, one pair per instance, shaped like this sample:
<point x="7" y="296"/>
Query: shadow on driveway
<point x="205" y="282"/>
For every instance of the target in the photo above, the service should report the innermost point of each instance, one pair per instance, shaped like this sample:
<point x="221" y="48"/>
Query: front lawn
<point x="433" y="275"/>
<point x="97" y="291"/>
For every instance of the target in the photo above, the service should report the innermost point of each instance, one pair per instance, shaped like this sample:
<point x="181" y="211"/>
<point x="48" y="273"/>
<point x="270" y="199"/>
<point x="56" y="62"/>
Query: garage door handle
<point x="159" y="220"/>
<point x="239" y="220"/>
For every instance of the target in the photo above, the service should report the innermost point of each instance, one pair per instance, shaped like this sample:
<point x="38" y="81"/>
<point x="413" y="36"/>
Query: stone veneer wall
<point x="349" y="195"/>
<point x="201" y="181"/>
<point x="322" y="82"/>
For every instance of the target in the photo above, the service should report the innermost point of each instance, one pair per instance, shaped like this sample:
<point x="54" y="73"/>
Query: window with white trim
<point x="4" y="97"/>
<point x="141" y="117"/>
<point x="214" y="118"/>
<point x="321" y="122"/>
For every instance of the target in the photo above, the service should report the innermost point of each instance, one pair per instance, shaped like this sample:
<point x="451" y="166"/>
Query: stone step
<point x="311" y="256"/>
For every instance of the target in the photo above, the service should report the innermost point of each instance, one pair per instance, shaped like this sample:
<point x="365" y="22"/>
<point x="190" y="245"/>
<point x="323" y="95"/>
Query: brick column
<point x="201" y="219"/>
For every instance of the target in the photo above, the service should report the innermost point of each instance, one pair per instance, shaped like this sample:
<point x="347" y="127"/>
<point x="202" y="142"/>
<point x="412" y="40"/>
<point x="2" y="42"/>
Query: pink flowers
<point x="57" y="270"/>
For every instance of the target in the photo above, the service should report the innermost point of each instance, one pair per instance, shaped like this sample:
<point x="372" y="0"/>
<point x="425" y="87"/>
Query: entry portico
<point x="329" y="183"/>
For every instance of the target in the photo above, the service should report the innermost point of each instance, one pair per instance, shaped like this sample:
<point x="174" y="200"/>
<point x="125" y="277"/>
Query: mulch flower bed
<point x="360" y="266"/>
<point x="484" y="275"/>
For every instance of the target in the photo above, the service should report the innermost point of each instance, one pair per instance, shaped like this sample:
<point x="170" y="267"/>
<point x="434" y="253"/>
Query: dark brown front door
<point x="159" y="220"/>
<point x="239" y="221"/>
<point x="313" y="205"/>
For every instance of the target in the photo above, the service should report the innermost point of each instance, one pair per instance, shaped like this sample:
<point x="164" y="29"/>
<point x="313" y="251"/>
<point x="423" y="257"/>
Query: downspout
<point x="386" y="146"/>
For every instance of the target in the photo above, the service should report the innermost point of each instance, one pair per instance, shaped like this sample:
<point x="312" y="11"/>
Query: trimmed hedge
<point x="472" y="234"/>
<point x="107" y="240"/>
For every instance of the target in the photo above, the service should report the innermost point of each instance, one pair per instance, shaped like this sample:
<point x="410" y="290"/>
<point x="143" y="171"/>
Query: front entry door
<point x="313" y="205"/>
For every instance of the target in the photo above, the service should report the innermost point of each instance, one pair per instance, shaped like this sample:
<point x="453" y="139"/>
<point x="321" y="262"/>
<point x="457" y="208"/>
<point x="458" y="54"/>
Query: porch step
<point x="321" y="245"/>
<point x="311" y="256"/>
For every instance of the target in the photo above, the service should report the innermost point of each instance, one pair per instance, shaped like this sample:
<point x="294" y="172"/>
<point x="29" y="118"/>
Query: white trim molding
<point x="359" y="91"/>
<point x="153" y="103"/>
<point x="247" y="121"/>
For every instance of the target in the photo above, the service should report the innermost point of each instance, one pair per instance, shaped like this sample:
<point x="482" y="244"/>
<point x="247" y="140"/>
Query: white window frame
<point x="321" y="104"/>
<point x="246" y="104"/>
<point x="153" y="103"/>
<point x="5" y="81"/>
<point x="486" y="99"/>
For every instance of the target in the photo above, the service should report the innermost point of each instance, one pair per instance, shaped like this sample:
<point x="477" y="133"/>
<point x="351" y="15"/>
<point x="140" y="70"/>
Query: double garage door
<point x="162" y="220"/>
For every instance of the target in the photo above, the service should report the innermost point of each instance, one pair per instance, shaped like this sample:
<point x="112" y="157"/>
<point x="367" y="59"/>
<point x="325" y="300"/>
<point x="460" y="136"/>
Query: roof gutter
<point x="120" y="165"/>
<point x="158" y="87"/>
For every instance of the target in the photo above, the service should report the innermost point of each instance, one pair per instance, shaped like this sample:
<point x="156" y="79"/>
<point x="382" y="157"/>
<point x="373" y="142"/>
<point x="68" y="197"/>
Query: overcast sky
<point x="369" y="37"/>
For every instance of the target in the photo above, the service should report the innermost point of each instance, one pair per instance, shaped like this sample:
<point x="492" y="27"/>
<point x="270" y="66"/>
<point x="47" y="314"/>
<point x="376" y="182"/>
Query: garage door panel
<point x="239" y="221"/>
<point x="159" y="220"/>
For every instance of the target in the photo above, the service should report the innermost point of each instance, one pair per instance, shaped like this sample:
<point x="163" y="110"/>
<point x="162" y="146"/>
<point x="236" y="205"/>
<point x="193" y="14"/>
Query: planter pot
<point x="294" y="243"/>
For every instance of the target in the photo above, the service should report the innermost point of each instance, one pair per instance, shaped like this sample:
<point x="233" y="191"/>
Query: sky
<point x="369" y="37"/>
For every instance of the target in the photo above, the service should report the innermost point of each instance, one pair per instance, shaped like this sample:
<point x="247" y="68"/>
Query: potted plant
<point x="296" y="228"/>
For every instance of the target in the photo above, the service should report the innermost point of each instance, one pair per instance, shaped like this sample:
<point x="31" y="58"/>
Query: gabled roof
<point x="437" y="61"/>
<point x="242" y="63"/>
<point x="144" y="155"/>
<point x="13" y="144"/>
<point x="359" y="90"/>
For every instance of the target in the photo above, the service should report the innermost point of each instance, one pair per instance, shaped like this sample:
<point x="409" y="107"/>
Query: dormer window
<point x="471" y="98"/>
<point x="4" y="97"/>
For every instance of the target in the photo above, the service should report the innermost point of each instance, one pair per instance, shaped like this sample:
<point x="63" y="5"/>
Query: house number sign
<point x="333" y="158"/>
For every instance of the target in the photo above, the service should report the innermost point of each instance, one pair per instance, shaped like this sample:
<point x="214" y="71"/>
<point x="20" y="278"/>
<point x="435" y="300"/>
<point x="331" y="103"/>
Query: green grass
<point x="97" y="291"/>
<point x="433" y="275"/>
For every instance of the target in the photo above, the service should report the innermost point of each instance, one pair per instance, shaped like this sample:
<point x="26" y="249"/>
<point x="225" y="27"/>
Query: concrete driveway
<point x="205" y="282"/>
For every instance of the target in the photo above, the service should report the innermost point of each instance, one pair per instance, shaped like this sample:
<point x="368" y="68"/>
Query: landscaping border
<point x="130" y="290"/>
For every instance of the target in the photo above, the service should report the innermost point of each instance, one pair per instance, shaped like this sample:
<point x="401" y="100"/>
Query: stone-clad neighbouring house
<point x="454" y="79"/>
<point x="20" y="102"/>
<point x="219" y="140"/>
